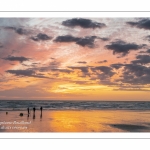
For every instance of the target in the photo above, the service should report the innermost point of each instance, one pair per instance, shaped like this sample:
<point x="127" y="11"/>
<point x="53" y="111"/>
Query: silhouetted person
<point x="33" y="110"/>
<point x="41" y="109"/>
<point x="28" y="110"/>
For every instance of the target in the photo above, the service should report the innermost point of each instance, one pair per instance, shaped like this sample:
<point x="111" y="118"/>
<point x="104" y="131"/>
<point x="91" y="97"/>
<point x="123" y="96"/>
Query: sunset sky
<point x="75" y="58"/>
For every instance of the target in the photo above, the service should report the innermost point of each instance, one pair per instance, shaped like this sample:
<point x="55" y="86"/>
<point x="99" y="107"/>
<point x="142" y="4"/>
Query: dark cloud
<point x="103" y="74"/>
<point x="82" y="62"/>
<point x="22" y="72"/>
<point x="137" y="70"/>
<point x="62" y="70"/>
<point x="148" y="51"/>
<point x="135" y="74"/>
<point x="15" y="58"/>
<point x="20" y="30"/>
<point x="142" y="59"/>
<point x="1" y="46"/>
<point x="104" y="39"/>
<point x="66" y="38"/>
<point x="103" y="61"/>
<point x="45" y="68"/>
<point x="142" y="24"/>
<point x="41" y="37"/>
<point x="121" y="47"/>
<point x="117" y="66"/>
<point x="84" y="23"/>
<point x="84" y="69"/>
<point x="104" y="69"/>
<point x="28" y="73"/>
<point x="142" y="52"/>
<point x="85" y="41"/>
<point x="131" y="74"/>
<point x="54" y="63"/>
<point x="104" y="80"/>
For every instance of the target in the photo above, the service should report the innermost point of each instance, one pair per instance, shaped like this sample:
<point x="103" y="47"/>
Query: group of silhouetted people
<point x="41" y="108"/>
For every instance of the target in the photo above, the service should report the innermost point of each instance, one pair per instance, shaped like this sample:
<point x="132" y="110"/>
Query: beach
<point x="76" y="121"/>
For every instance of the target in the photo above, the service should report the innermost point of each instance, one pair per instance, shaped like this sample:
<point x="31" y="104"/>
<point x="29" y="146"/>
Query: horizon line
<point x="74" y="100"/>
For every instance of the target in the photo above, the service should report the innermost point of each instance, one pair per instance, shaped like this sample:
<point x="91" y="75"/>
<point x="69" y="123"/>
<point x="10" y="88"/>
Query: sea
<point x="17" y="105"/>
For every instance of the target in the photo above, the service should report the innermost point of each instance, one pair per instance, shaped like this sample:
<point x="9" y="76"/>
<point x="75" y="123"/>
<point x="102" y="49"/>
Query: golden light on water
<point x="79" y="121"/>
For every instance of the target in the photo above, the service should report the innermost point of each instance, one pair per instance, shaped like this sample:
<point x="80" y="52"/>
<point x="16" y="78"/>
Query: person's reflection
<point x="28" y="117"/>
<point x="33" y="115"/>
<point x="28" y="110"/>
<point x="41" y="116"/>
<point x="41" y="108"/>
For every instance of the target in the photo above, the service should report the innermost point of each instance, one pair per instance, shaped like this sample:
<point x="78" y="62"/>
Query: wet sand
<point x="76" y="121"/>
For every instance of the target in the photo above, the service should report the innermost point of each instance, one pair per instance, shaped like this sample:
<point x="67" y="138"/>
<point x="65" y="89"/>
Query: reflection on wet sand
<point x="80" y="121"/>
<point x="33" y="116"/>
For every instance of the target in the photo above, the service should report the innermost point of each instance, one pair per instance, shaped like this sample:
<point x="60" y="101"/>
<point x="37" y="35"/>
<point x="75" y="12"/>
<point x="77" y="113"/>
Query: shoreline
<point x="78" y="100"/>
<point x="80" y="110"/>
